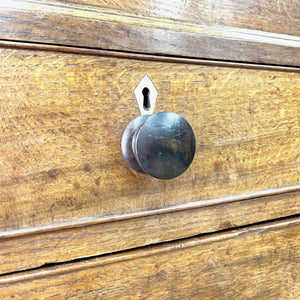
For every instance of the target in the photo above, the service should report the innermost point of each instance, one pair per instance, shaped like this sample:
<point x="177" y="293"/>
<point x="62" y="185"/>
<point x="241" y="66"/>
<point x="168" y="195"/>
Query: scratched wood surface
<point x="62" y="118"/>
<point x="261" y="262"/>
<point x="254" y="31"/>
<point x="73" y="241"/>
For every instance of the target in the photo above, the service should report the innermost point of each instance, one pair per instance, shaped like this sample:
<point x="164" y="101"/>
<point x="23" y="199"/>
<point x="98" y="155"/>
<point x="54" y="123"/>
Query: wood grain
<point x="229" y="68"/>
<point x="62" y="117"/>
<point x="236" y="264"/>
<point x="88" y="24"/>
<point x="52" y="245"/>
<point x="281" y="17"/>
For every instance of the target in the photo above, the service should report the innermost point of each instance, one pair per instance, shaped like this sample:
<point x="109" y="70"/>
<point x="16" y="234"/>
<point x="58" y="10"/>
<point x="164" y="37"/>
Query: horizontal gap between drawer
<point x="127" y="216"/>
<point x="142" y="56"/>
<point x="54" y="269"/>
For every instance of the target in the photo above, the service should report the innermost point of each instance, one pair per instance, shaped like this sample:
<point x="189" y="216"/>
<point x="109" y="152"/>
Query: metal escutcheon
<point x="162" y="145"/>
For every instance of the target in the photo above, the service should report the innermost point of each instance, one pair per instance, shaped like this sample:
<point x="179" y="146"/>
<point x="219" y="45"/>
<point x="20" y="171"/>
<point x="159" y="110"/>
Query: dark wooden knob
<point x="162" y="145"/>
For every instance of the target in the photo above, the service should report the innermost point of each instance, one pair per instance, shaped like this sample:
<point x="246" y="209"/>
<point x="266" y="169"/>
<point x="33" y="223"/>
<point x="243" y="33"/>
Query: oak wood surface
<point x="62" y="117"/>
<point x="65" y="192"/>
<point x="281" y="17"/>
<point x="75" y="241"/>
<point x="206" y="33"/>
<point x="238" y="264"/>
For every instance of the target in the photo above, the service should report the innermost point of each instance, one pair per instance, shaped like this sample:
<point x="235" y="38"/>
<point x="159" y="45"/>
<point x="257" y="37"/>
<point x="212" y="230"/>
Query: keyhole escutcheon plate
<point x="146" y="95"/>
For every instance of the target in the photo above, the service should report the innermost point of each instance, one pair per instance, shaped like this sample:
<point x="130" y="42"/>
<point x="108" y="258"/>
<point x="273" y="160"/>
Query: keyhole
<point x="146" y="102"/>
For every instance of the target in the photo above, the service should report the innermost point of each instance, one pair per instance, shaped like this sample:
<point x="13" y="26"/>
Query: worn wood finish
<point x="236" y="264"/>
<point x="73" y="241"/>
<point x="62" y="117"/>
<point x="93" y="25"/>
<point x="76" y="222"/>
<point x="281" y="17"/>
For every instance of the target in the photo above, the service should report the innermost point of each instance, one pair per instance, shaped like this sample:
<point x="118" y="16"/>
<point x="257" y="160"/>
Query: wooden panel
<point x="238" y="264"/>
<point x="281" y="17"/>
<point x="72" y="241"/>
<point x="62" y="117"/>
<point x="89" y="25"/>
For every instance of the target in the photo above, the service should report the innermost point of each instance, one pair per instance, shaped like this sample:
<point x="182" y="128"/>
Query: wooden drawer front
<point x="261" y="262"/>
<point x="258" y="31"/>
<point x="62" y="117"/>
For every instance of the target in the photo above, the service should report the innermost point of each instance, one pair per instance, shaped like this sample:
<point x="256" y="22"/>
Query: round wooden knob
<point x="161" y="145"/>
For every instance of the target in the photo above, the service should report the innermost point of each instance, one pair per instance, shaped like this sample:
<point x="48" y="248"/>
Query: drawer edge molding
<point x="70" y="244"/>
<point x="127" y="216"/>
<point x="95" y="262"/>
<point x="143" y="57"/>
